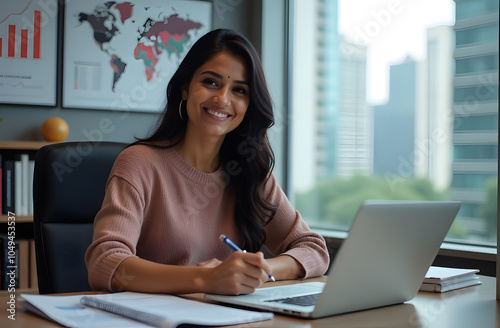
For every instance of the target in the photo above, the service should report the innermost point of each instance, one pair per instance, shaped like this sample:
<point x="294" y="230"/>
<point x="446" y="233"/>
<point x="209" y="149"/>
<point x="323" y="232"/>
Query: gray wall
<point x="22" y="122"/>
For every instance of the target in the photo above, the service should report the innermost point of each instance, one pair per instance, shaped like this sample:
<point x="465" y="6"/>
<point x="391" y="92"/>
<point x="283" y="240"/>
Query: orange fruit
<point x="55" y="129"/>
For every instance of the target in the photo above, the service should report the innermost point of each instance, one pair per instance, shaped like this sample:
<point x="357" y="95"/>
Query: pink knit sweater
<point x="159" y="208"/>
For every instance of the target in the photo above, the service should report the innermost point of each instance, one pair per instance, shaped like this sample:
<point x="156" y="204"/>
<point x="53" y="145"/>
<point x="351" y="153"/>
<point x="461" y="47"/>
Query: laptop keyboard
<point x="305" y="300"/>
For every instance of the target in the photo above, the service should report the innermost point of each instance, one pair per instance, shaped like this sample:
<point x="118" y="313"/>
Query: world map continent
<point x="169" y="34"/>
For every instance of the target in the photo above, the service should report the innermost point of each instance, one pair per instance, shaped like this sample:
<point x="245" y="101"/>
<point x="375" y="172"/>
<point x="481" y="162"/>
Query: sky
<point x="392" y="30"/>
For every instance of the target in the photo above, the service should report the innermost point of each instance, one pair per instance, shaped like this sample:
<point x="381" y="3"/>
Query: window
<point x="395" y="100"/>
<point x="476" y="152"/>
<point x="484" y="63"/>
<point x="478" y="92"/>
<point x="461" y="180"/>
<point x="475" y="8"/>
<point x="480" y="34"/>
<point x="476" y="123"/>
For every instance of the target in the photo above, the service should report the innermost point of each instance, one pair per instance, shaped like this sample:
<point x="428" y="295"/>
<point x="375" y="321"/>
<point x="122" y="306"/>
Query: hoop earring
<point x="180" y="109"/>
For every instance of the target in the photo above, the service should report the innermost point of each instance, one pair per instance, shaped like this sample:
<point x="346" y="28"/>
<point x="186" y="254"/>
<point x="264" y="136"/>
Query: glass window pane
<point x="474" y="8"/>
<point x="477" y="35"/>
<point x="476" y="123"/>
<point x="474" y="181"/>
<point x="390" y="101"/>
<point x="476" y="152"/>
<point x="477" y="64"/>
<point x="476" y="93"/>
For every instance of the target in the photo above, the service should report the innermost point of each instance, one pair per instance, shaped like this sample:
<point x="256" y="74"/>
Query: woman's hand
<point x="210" y="263"/>
<point x="240" y="273"/>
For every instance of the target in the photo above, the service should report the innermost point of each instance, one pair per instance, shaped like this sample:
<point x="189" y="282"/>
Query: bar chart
<point x="25" y="36"/>
<point x="28" y="52"/>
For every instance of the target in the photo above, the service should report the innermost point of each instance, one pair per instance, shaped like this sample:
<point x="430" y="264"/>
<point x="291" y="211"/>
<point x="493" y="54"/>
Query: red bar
<point x="12" y="41"/>
<point x="1" y="43"/>
<point x="24" y="43"/>
<point x="38" y="31"/>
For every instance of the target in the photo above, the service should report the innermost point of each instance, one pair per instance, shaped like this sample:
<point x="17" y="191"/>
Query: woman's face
<point x="218" y="95"/>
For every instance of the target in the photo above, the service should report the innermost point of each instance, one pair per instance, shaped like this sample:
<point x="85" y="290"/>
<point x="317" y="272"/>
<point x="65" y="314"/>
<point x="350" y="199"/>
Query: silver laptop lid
<point x="383" y="261"/>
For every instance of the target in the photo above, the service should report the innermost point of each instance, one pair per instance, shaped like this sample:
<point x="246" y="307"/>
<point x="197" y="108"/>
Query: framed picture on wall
<point x="28" y="52"/>
<point x="121" y="55"/>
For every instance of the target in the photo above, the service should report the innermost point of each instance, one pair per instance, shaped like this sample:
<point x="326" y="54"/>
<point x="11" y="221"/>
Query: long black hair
<point x="247" y="145"/>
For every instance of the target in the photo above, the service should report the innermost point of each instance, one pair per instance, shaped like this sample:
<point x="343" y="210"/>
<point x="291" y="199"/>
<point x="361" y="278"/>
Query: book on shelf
<point x="442" y="279"/>
<point x="8" y="193"/>
<point x="25" y="159"/>
<point x="16" y="183"/>
<point x="131" y="308"/>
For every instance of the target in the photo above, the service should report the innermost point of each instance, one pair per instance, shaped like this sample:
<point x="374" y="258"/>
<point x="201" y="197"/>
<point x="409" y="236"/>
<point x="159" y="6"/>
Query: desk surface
<point x="468" y="307"/>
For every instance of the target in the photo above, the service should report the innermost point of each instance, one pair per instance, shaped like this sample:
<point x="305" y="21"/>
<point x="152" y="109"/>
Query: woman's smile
<point x="216" y="114"/>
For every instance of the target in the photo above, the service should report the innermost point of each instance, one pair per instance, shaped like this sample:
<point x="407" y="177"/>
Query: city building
<point x="475" y="110"/>
<point x="394" y="125"/>
<point x="434" y="118"/>
<point x="327" y="89"/>
<point x="355" y="120"/>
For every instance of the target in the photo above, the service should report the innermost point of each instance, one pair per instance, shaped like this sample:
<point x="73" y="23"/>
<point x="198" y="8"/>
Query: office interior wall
<point x="22" y="122"/>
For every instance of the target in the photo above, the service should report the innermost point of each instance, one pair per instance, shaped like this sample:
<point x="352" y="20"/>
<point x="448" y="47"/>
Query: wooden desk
<point x="468" y="307"/>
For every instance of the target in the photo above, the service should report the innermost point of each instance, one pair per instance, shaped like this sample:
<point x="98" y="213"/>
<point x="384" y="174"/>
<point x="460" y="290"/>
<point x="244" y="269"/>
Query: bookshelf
<point x="26" y="267"/>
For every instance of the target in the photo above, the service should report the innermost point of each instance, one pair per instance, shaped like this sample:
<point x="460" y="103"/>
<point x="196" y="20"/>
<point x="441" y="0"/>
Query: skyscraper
<point x="434" y="118"/>
<point x="475" y="109"/>
<point x="327" y="88"/>
<point x="394" y="125"/>
<point x="354" y="120"/>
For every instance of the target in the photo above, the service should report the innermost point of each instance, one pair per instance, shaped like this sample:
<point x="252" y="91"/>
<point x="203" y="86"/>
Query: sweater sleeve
<point x="117" y="227"/>
<point x="288" y="234"/>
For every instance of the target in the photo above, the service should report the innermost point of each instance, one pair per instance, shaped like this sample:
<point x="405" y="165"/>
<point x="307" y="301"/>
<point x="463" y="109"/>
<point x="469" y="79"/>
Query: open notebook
<point x="383" y="261"/>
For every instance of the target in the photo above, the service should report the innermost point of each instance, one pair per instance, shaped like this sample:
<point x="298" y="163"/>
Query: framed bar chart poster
<point x="121" y="55"/>
<point x="28" y="52"/>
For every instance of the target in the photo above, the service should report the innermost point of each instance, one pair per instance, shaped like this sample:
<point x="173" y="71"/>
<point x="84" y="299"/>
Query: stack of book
<point x="440" y="280"/>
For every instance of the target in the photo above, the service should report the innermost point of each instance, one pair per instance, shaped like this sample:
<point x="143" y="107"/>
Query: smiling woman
<point x="205" y="171"/>
<point x="216" y="103"/>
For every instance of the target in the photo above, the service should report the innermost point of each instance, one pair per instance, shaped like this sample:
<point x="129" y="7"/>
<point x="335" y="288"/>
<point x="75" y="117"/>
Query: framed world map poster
<point x="121" y="55"/>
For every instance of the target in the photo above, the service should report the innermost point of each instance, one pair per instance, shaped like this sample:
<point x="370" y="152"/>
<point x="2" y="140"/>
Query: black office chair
<point x="68" y="190"/>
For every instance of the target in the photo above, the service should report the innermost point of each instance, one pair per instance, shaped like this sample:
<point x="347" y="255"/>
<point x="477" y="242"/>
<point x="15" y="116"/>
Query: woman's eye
<point x="210" y="82"/>
<point x="240" y="90"/>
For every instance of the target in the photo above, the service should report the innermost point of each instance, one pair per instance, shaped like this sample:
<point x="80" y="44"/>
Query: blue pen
<point x="235" y="248"/>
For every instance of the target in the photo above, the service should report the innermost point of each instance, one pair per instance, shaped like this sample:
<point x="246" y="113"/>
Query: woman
<point x="205" y="171"/>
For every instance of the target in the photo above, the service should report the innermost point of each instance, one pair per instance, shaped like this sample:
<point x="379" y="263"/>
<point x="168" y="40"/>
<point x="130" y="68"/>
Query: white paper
<point x="68" y="311"/>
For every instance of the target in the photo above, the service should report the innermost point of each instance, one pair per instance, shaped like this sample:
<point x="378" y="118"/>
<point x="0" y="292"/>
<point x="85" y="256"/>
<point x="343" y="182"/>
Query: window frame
<point x="461" y="251"/>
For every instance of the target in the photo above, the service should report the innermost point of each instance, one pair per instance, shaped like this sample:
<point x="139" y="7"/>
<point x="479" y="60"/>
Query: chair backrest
<point x="68" y="190"/>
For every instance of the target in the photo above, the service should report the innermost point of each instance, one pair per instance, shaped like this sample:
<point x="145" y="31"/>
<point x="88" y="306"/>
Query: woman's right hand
<point x="240" y="273"/>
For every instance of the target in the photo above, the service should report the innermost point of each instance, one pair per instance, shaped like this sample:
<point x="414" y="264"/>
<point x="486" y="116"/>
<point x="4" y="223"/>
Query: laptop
<point x="383" y="261"/>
